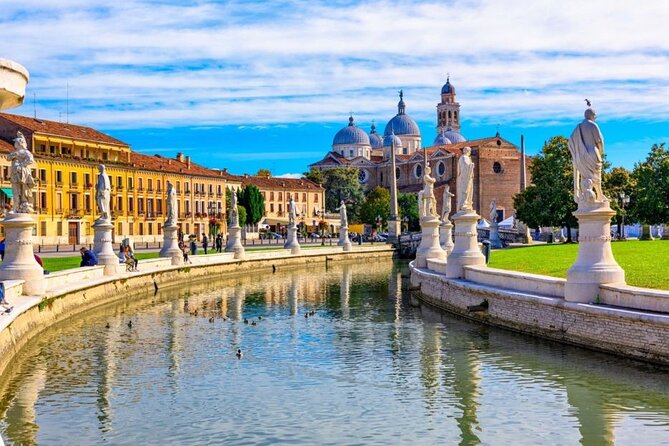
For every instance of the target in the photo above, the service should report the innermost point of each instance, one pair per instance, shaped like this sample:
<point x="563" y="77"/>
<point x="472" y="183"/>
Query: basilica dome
<point x="374" y="139"/>
<point x="441" y="139"/>
<point x="454" y="136"/>
<point x="351" y="135"/>
<point x="448" y="88"/>
<point x="392" y="138"/>
<point x="402" y="124"/>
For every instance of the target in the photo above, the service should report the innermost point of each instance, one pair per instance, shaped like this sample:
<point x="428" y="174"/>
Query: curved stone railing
<point x="73" y="291"/>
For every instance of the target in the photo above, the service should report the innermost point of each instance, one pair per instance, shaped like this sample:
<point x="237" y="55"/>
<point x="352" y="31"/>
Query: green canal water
<point x="366" y="368"/>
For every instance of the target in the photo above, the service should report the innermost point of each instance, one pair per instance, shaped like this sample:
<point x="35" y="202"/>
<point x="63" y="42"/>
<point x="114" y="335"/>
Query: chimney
<point x="188" y="162"/>
<point x="180" y="157"/>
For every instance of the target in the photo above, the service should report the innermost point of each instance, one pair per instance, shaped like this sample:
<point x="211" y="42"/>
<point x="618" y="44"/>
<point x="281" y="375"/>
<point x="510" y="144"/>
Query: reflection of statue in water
<point x="586" y="145"/>
<point x="493" y="211"/>
<point x="234" y="217"/>
<point x="446" y="206"/>
<point x="430" y="202"/>
<point x="465" y="181"/>
<point x="20" y="175"/>
<point x="171" y="204"/>
<point x="103" y="193"/>
<point x="343" y="218"/>
<point x="292" y="211"/>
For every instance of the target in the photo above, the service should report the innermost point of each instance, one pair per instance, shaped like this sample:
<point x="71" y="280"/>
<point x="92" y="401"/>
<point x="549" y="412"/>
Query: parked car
<point x="274" y="235"/>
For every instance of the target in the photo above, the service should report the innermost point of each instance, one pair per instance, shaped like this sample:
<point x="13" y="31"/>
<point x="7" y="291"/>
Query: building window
<point x="131" y="228"/>
<point x="150" y="228"/>
<point x="119" y="182"/>
<point x="59" y="228"/>
<point x="141" y="228"/>
<point x="362" y="176"/>
<point x="418" y="171"/>
<point x="42" y="200"/>
<point x="497" y="167"/>
<point x="398" y="173"/>
<point x="280" y="208"/>
<point x="150" y="185"/>
<point x="59" y="177"/>
<point x="119" y="231"/>
<point x="271" y="207"/>
<point x="119" y="204"/>
<point x="87" y="180"/>
<point x="280" y="196"/>
<point x="315" y="198"/>
<point x="42" y="176"/>
<point x="131" y="208"/>
<point x="130" y="183"/>
<point x="187" y="188"/>
<point x="42" y="229"/>
<point x="441" y="168"/>
<point x="271" y="196"/>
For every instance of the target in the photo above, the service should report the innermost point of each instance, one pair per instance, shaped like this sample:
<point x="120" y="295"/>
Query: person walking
<point x="193" y="246"/>
<point x="219" y="242"/>
<point x="205" y="242"/>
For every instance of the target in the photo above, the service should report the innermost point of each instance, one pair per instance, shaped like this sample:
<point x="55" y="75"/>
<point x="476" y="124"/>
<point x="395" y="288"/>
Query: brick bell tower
<point x="448" y="110"/>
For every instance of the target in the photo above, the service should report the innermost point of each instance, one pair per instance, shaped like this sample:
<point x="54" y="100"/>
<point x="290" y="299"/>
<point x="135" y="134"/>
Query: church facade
<point x="498" y="162"/>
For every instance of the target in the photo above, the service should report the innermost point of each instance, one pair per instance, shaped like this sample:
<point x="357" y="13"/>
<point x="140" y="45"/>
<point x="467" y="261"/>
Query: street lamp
<point x="624" y="201"/>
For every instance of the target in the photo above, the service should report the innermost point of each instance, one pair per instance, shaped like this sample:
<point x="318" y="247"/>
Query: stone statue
<point x="103" y="193"/>
<point x="465" y="181"/>
<point x="421" y="213"/>
<point x="446" y="206"/>
<point x="343" y="218"/>
<point x="586" y="145"/>
<point x="20" y="175"/>
<point x="292" y="211"/>
<point x="171" y="203"/>
<point x="493" y="211"/>
<point x="234" y="217"/>
<point x="430" y="202"/>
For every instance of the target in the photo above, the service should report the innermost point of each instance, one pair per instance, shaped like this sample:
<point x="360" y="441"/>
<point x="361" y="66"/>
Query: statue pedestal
<point x="343" y="238"/>
<point x="446" y="236"/>
<point x="493" y="238"/>
<point x="594" y="264"/>
<point x="466" y="249"/>
<point x="646" y="233"/>
<point x="235" y="242"/>
<point x="429" y="247"/>
<point x="394" y="231"/>
<point x="102" y="247"/>
<point x="291" y="241"/>
<point x="19" y="262"/>
<point x="171" y="245"/>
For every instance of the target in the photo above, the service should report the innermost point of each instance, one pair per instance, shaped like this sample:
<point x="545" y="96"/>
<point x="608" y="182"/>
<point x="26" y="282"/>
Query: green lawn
<point x="646" y="264"/>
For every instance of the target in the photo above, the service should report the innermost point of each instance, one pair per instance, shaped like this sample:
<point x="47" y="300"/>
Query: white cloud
<point x="143" y="63"/>
<point x="290" y="175"/>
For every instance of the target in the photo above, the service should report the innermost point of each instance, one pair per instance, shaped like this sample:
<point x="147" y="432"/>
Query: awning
<point x="7" y="191"/>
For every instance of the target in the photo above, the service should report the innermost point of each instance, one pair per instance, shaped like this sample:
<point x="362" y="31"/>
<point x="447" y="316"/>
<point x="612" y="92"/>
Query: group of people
<point x="126" y="256"/>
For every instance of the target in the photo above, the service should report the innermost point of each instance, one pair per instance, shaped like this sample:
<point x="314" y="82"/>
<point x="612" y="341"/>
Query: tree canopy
<point x="264" y="173"/>
<point x="650" y="196"/>
<point x="341" y="183"/>
<point x="408" y="207"/>
<point x="251" y="198"/>
<point x="549" y="201"/>
<point x="377" y="203"/>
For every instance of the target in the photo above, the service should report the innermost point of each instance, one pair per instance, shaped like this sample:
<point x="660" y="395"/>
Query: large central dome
<point x="351" y="135"/>
<point x="401" y="124"/>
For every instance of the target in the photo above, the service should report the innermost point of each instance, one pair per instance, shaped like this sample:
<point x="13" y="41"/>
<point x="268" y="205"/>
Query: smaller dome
<point x="374" y="139"/>
<point x="351" y="135"/>
<point x="448" y="88"/>
<point x="441" y="139"/>
<point x="454" y="136"/>
<point x="388" y="139"/>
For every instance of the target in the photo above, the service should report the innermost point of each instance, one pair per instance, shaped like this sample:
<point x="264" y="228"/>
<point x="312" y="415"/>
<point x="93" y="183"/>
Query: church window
<point x="381" y="178"/>
<point x="497" y="167"/>
<point x="441" y="168"/>
<point x="405" y="150"/>
<point x="418" y="171"/>
<point x="362" y="176"/>
<point x="350" y="153"/>
<point x="455" y="116"/>
<point x="449" y="115"/>
<point x="398" y="173"/>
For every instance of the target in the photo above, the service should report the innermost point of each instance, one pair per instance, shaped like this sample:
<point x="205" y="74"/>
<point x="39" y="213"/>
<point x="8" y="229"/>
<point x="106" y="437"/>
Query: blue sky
<point x="251" y="84"/>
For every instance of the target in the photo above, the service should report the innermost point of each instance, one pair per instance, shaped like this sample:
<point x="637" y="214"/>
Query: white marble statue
<point x="493" y="211"/>
<point x="446" y="206"/>
<point x="421" y="205"/>
<point x="292" y="211"/>
<point x="103" y="193"/>
<point x="586" y="145"/>
<point x="343" y="217"/>
<point x="171" y="204"/>
<point x="234" y="216"/>
<point x="429" y="200"/>
<point x="465" y="181"/>
<point x="20" y="175"/>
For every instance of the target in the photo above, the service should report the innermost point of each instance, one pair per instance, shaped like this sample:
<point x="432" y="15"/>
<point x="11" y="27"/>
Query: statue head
<point x="101" y="168"/>
<point x="427" y="170"/>
<point x="20" y="141"/>
<point x="590" y="114"/>
<point x="467" y="150"/>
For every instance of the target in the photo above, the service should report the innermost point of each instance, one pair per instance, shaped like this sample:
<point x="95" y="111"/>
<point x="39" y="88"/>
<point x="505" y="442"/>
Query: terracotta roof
<point x="5" y="146"/>
<point x="61" y="129"/>
<point x="173" y="165"/>
<point x="279" y="183"/>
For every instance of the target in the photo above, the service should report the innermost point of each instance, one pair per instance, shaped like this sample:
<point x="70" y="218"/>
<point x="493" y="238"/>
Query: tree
<point x="377" y="203"/>
<point x="408" y="207"/>
<point x="315" y="175"/>
<point x="251" y="198"/>
<point x="549" y="201"/>
<point x="266" y="173"/>
<point x="341" y="183"/>
<point x="615" y="182"/>
<point x="241" y="214"/>
<point x="650" y="198"/>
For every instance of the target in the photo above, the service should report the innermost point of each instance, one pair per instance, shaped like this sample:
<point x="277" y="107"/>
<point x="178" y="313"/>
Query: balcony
<point x="119" y="187"/>
<point x="130" y="188"/>
<point x="74" y="185"/>
<point x="150" y="190"/>
<point x="74" y="213"/>
<point x="59" y="184"/>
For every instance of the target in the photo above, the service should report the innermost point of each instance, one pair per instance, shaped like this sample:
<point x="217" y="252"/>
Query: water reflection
<point x="364" y="367"/>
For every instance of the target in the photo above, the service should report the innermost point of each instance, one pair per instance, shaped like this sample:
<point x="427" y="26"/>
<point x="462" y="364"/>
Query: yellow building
<point x="67" y="158"/>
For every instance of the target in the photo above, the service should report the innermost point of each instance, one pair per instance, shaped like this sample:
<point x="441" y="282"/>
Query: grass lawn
<point x="646" y="264"/>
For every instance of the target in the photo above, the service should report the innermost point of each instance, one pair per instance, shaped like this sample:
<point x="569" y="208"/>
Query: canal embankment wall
<point x="77" y="290"/>
<point x="627" y="321"/>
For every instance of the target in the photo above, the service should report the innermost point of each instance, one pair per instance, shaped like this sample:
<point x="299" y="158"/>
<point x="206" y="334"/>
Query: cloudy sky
<point x="253" y="84"/>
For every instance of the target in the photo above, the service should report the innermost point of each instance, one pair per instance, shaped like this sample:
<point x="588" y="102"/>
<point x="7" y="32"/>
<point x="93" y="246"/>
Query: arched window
<point x="441" y="168"/>
<point x="418" y="171"/>
<point x="455" y="116"/>
<point x="398" y="173"/>
<point x="497" y="167"/>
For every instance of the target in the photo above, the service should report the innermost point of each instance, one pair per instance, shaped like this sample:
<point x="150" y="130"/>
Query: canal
<point x="331" y="355"/>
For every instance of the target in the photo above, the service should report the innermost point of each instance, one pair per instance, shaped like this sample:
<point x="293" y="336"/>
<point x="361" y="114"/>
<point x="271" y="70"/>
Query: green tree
<point x="616" y="182"/>
<point x="241" y="213"/>
<point x="341" y="183"/>
<point x="408" y="206"/>
<point x="549" y="201"/>
<point x="650" y="198"/>
<point x="266" y="173"/>
<point x="315" y="175"/>
<point x="251" y="198"/>
<point x="377" y="203"/>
